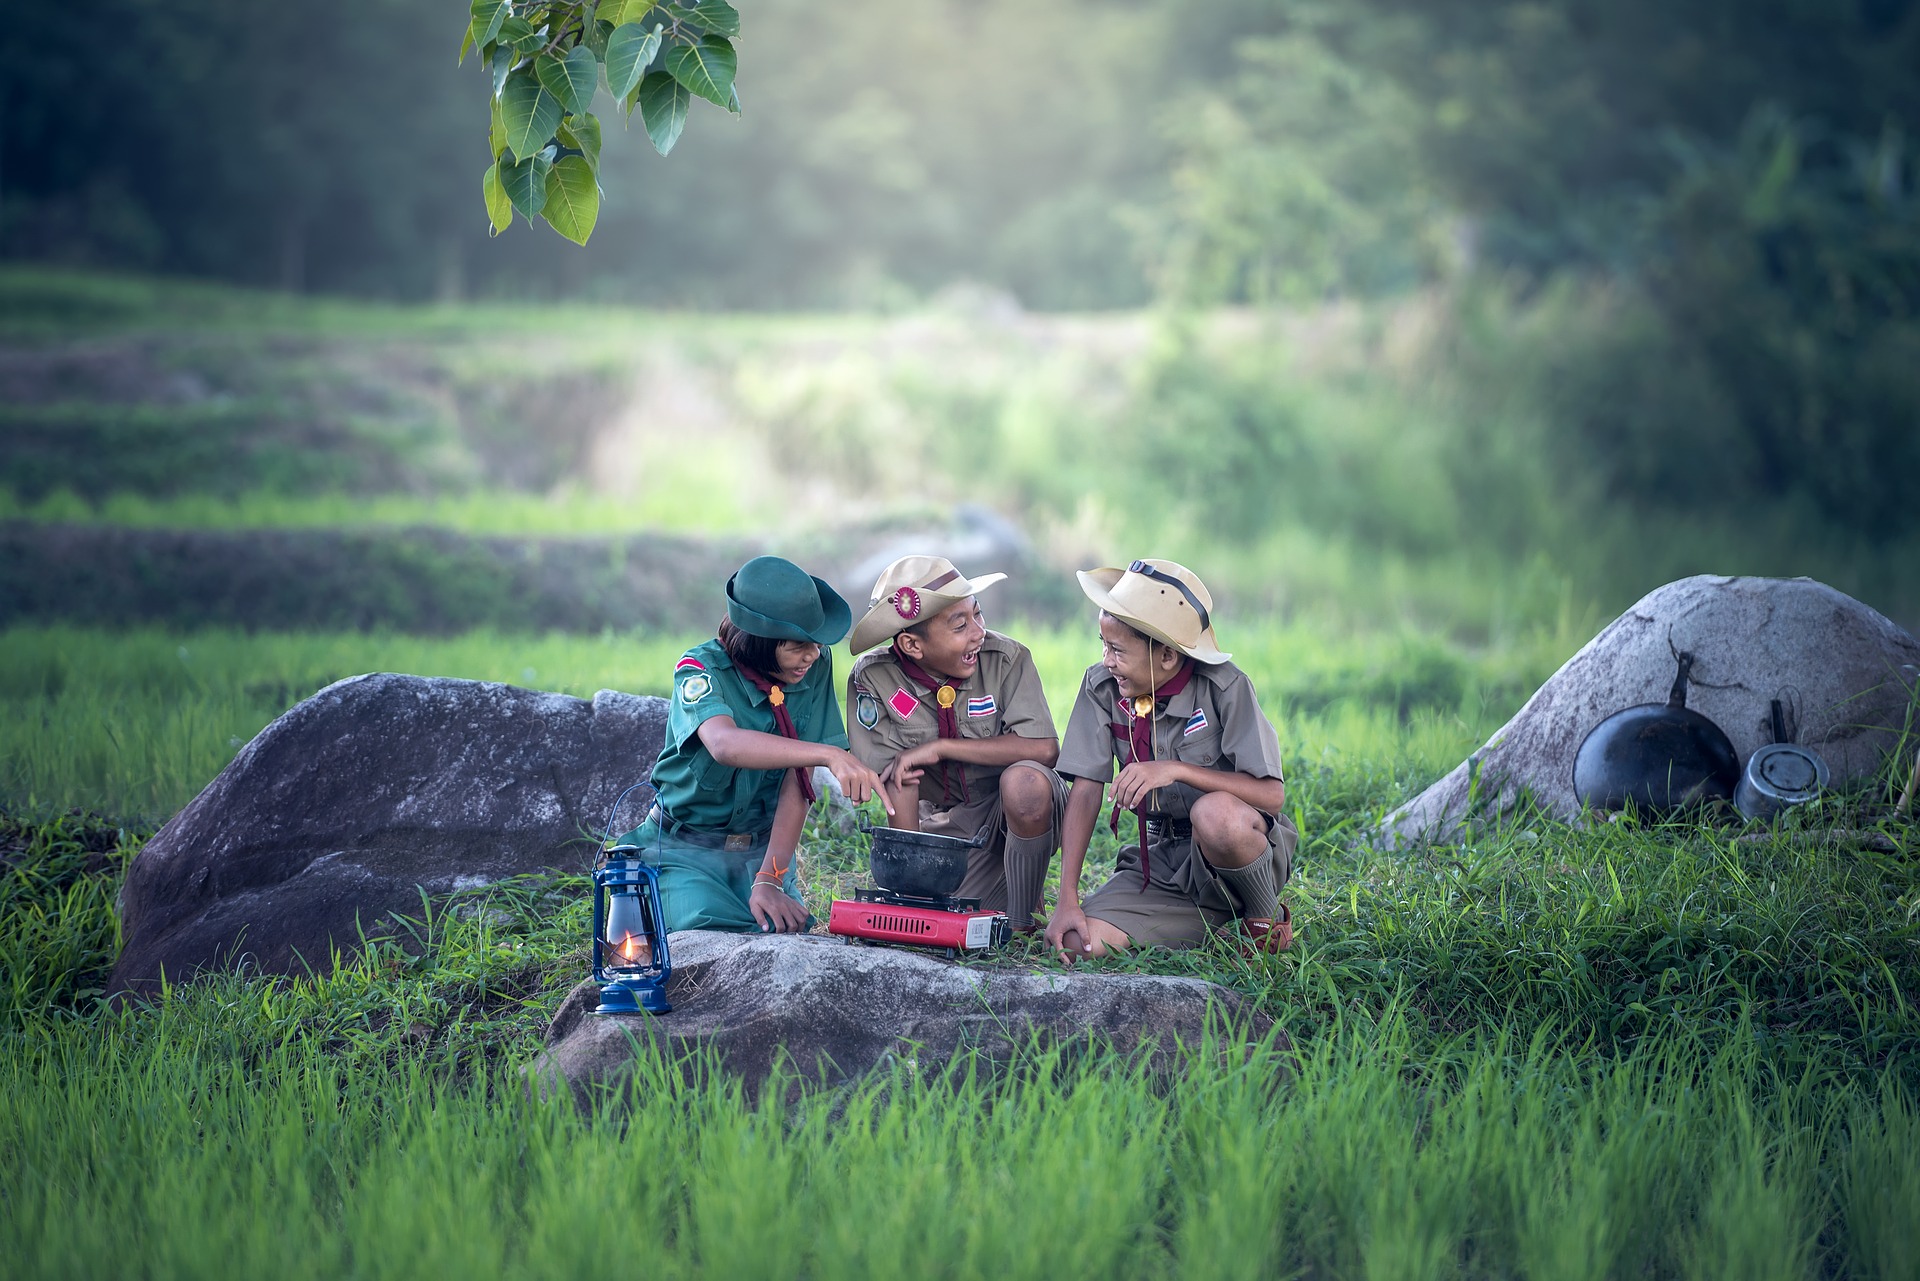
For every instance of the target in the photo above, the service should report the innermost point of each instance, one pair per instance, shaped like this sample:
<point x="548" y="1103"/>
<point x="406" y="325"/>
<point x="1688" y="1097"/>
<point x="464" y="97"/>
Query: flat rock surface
<point x="1851" y="673"/>
<point x="353" y="803"/>
<point x="834" y="1011"/>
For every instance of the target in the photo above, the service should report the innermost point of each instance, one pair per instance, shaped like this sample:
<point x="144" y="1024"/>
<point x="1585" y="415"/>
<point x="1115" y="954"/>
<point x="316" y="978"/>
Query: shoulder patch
<point x="694" y="688"/>
<point x="903" y="704"/>
<point x="689" y="662"/>
<point x="866" y="709"/>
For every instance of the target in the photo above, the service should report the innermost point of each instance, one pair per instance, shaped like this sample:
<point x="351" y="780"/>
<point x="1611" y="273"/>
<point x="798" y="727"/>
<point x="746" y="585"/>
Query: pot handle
<point x="1677" y="696"/>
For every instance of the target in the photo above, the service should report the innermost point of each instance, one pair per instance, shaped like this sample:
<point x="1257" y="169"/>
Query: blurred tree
<point x="341" y="148"/>
<point x="1745" y="169"/>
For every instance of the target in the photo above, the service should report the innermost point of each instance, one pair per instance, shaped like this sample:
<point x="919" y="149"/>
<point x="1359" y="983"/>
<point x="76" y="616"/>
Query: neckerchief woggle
<point x="1137" y="732"/>
<point x="944" y="697"/>
<point x="782" y="721"/>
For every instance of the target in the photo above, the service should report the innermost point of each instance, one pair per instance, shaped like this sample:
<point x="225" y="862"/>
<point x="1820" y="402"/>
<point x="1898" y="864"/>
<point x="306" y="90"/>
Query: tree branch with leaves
<point x="548" y="59"/>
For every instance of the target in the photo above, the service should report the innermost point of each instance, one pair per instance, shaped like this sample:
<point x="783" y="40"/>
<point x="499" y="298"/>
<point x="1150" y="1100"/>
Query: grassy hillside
<point x="1544" y="1051"/>
<point x="1348" y="463"/>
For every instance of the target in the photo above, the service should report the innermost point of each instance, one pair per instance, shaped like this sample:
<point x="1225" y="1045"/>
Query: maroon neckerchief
<point x="1137" y="732"/>
<point x="781" y="720"/>
<point x="948" y="720"/>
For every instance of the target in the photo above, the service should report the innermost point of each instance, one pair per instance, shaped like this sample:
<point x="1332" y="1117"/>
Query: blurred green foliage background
<point x="1570" y="292"/>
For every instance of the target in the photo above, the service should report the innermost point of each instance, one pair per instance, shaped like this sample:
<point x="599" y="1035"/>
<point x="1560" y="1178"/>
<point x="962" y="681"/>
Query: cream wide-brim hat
<point x="911" y="589"/>
<point x="1165" y="600"/>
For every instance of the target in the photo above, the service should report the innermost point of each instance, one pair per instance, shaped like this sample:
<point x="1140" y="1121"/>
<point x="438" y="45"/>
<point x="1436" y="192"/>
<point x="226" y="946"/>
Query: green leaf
<point x="525" y="182"/>
<point x="486" y="17"/>
<point x="717" y="16"/>
<point x="629" y="50"/>
<point x="706" y="68"/>
<point x="530" y="113"/>
<point x="573" y="199"/>
<point x="582" y="133"/>
<point x="569" y="79"/>
<point x="499" y="208"/>
<point x="596" y="38"/>
<point x="663" y="107"/>
<point x="521" y="34"/>
<point x="502" y="64"/>
<point x="466" y="45"/>
<point x="497" y="130"/>
<point x="620" y="12"/>
<point x="733" y="98"/>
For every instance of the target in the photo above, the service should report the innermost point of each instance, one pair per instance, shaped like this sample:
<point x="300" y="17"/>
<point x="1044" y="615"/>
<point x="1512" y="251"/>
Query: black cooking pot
<point x="923" y="864"/>
<point x="1658" y="756"/>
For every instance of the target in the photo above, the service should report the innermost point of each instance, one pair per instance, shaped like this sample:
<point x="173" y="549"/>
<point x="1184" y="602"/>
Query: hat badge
<point x="906" y="603"/>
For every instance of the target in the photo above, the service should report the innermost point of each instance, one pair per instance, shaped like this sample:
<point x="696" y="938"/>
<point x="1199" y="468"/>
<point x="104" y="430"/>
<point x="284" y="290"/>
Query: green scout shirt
<point x="1214" y="722"/>
<point x="699" y="791"/>
<point x="1002" y="696"/>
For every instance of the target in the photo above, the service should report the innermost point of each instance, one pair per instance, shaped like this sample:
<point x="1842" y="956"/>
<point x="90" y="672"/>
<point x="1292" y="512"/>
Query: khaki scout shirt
<point x="1215" y="722"/>
<point x="887" y="714"/>
<point x="699" y="791"/>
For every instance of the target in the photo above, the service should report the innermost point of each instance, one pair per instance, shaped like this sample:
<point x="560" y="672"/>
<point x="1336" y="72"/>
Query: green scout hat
<point x="1165" y="600"/>
<point x="910" y="589"/>
<point x="773" y="597"/>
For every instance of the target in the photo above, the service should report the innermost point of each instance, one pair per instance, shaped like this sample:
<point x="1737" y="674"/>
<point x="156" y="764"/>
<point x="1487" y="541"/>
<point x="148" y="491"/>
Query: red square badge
<point x="903" y="704"/>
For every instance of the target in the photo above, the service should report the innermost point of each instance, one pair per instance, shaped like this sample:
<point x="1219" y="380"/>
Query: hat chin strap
<point x="1146" y="570"/>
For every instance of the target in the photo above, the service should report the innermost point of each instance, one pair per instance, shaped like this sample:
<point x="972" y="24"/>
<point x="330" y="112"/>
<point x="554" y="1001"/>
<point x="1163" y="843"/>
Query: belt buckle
<point x="739" y="841"/>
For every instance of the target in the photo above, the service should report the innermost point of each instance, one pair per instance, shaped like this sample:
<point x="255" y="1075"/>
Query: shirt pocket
<point x="1202" y="747"/>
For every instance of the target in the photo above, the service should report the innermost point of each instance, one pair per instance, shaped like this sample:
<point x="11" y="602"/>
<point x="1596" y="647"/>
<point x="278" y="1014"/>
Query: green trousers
<point x="704" y="885"/>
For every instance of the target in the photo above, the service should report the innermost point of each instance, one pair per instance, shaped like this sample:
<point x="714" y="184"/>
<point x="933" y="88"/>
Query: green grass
<point x="135" y="723"/>
<point x="1543" y="1053"/>
<point x="1540" y="1052"/>
<point x="223" y="1132"/>
<point x="694" y="501"/>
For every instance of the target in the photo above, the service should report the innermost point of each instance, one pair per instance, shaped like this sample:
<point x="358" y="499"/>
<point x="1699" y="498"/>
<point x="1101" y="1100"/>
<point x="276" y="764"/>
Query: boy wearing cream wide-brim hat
<point x="1200" y="768"/>
<point x="954" y="720"/>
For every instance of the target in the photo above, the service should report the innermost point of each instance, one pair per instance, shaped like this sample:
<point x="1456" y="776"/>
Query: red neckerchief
<point x="1137" y="732"/>
<point x="948" y="720"/>
<point x="781" y="720"/>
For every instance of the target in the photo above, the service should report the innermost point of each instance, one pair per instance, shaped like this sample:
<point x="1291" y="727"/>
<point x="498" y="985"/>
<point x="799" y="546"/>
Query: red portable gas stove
<point x="942" y="922"/>
<point x="917" y="873"/>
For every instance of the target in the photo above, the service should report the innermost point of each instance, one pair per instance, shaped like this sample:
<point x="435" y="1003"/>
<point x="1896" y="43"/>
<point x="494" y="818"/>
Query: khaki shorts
<point x="1180" y="910"/>
<point x="986" y="877"/>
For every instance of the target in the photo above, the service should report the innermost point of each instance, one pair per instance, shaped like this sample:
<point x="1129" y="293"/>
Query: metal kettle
<point x="1659" y="757"/>
<point x="1779" y="775"/>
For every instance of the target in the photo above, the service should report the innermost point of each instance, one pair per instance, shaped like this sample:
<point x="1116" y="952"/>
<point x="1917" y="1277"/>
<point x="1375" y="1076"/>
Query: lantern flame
<point x="634" y="949"/>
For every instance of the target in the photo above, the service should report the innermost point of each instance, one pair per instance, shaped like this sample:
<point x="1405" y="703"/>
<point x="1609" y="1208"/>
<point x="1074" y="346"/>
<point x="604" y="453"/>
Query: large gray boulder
<point x="831" y="1011"/>
<point x="344" y="810"/>
<point x="1851" y="673"/>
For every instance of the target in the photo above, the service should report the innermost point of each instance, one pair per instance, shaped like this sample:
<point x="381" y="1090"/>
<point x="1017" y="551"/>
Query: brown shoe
<point x="1267" y="936"/>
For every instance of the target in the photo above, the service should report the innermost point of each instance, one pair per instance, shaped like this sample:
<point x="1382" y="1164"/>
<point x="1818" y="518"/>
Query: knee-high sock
<point x="1027" y="858"/>
<point x="1255" y="885"/>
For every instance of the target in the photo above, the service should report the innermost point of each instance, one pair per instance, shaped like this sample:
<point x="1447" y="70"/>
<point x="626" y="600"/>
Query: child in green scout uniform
<point x="753" y="711"/>
<point x="1200" y="768"/>
<point x="954" y="719"/>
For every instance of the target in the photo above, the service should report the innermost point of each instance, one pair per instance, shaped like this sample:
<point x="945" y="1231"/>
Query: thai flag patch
<point x="689" y="661"/>
<point x="1195" y="723"/>
<point x="903" y="704"/>
<point x="981" y="706"/>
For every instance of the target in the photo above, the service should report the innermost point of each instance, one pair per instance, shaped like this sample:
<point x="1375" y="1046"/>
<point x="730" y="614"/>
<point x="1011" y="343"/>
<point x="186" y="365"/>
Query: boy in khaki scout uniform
<point x="953" y="719"/>
<point x="1200" y="768"/>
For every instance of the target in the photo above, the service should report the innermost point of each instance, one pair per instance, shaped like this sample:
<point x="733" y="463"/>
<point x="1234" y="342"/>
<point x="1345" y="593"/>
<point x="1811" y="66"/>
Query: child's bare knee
<point x="1027" y="796"/>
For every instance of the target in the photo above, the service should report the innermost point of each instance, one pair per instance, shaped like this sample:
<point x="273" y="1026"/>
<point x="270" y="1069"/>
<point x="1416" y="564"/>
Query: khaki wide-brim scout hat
<point x="1165" y="600"/>
<point x="909" y="590"/>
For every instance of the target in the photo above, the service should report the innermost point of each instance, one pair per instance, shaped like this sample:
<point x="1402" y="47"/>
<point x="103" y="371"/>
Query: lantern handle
<point x="606" y="837"/>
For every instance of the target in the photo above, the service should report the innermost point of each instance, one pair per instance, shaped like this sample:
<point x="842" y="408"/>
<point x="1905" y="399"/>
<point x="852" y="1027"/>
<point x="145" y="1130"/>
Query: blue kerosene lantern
<point x="629" y="947"/>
